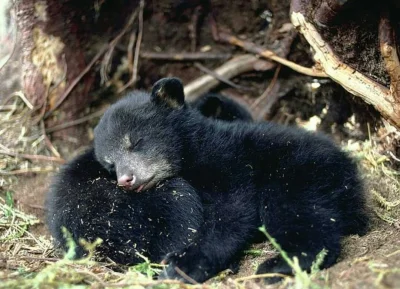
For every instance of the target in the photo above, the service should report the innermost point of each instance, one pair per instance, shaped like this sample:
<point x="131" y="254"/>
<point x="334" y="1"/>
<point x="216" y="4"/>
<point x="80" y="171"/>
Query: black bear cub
<point x="299" y="185"/>
<point x="85" y="199"/>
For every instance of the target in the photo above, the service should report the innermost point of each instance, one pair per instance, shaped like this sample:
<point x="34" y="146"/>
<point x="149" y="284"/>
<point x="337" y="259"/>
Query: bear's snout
<point x="132" y="182"/>
<point x="126" y="181"/>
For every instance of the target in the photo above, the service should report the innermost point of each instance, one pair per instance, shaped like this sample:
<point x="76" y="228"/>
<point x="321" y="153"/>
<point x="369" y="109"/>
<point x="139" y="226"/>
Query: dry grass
<point x="21" y="141"/>
<point x="382" y="180"/>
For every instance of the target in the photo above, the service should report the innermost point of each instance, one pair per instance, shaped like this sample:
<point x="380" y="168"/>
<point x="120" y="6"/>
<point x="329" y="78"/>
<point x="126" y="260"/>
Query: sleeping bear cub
<point x="85" y="199"/>
<point x="299" y="185"/>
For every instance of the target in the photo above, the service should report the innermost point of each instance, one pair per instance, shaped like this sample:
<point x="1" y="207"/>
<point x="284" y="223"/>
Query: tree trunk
<point x="52" y="55"/>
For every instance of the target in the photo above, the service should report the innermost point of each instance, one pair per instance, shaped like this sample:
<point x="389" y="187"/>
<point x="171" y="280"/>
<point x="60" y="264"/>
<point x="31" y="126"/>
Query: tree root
<point x="379" y="96"/>
<point x="387" y="39"/>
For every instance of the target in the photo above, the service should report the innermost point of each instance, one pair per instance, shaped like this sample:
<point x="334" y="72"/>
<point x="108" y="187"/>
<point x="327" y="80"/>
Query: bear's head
<point x="137" y="138"/>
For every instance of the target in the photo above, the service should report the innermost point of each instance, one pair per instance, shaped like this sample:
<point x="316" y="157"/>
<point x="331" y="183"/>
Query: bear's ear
<point x="169" y="91"/>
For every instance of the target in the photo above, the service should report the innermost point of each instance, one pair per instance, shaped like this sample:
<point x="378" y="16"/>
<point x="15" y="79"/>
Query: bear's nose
<point x="126" y="180"/>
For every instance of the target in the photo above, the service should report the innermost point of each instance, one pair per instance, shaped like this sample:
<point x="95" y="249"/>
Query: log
<point x="228" y="70"/>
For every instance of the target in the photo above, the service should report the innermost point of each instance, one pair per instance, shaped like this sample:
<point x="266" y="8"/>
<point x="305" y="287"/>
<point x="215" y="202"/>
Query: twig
<point x="392" y="254"/>
<point x="157" y="282"/>
<point x="214" y="27"/>
<point x="266" y="275"/>
<point x="34" y="157"/>
<point x="7" y="107"/>
<point x="137" y="50"/>
<point x="184" y="56"/>
<point x="132" y="40"/>
<point x="107" y="58"/>
<point x="352" y="80"/>
<point x="76" y="122"/>
<point x="193" y="28"/>
<point x="25" y="171"/>
<point x="393" y="156"/>
<point x="387" y="39"/>
<point x="64" y="76"/>
<point x="384" y="202"/>
<point x="268" y="90"/>
<point x="228" y="70"/>
<point x="21" y="95"/>
<point x="253" y="48"/>
<point x="388" y="219"/>
<point x="219" y="77"/>
<point x="48" y="142"/>
<point x="30" y="258"/>
<point x="76" y="80"/>
<point x="42" y="109"/>
<point x="94" y="276"/>
<point x="33" y="206"/>
<point x="185" y="276"/>
<point x="105" y="67"/>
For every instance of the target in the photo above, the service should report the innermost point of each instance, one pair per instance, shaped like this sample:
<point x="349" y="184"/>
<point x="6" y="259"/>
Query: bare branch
<point x="76" y="80"/>
<point x="76" y="121"/>
<point x="184" y="56"/>
<point x="33" y="157"/>
<point x="134" y="78"/>
<point x="269" y="88"/>
<point x="219" y="77"/>
<point x="253" y="48"/>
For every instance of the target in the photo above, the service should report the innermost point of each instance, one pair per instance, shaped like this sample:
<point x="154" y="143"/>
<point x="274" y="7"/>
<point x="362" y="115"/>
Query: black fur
<point x="221" y="107"/>
<point x="299" y="185"/>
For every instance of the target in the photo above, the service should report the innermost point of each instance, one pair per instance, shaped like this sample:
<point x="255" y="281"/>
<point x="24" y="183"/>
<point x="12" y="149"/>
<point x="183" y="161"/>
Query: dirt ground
<point x="370" y="261"/>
